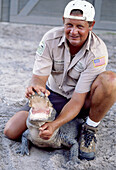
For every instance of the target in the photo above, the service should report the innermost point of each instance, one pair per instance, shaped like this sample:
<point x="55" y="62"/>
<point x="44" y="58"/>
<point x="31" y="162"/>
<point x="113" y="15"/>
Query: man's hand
<point x="47" y="130"/>
<point x="32" y="89"/>
<point x="37" y="84"/>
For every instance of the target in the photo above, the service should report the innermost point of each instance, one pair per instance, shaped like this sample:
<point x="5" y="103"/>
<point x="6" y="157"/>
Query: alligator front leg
<point x="74" y="152"/>
<point x="73" y="145"/>
<point x="24" y="149"/>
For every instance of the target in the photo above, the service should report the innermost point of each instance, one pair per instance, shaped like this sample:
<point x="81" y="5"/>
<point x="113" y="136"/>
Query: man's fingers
<point x="47" y="93"/>
<point x="43" y="128"/>
<point x="45" y="134"/>
<point x="43" y="90"/>
<point x="45" y="138"/>
<point x="45" y="131"/>
<point x="32" y="89"/>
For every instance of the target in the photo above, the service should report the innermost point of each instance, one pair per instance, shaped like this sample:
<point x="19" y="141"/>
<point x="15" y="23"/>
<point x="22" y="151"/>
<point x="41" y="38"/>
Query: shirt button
<point x="60" y="87"/>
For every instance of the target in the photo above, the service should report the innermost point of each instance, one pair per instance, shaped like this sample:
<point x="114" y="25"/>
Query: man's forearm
<point x="69" y="112"/>
<point x="38" y="80"/>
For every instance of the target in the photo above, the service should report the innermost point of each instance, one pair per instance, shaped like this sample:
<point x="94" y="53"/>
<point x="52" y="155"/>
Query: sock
<point x="92" y="123"/>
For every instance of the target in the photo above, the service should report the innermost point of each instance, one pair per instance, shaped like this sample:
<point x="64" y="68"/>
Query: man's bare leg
<point x="102" y="97"/>
<point x="16" y="125"/>
<point x="103" y="93"/>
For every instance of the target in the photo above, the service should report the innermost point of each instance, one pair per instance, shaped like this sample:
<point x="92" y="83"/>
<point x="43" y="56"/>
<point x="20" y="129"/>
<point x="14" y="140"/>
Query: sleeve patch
<point x="99" y="61"/>
<point x="41" y="48"/>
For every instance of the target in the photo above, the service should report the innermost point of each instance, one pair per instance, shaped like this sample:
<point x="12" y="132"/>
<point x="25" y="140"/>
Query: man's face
<point x="76" y="31"/>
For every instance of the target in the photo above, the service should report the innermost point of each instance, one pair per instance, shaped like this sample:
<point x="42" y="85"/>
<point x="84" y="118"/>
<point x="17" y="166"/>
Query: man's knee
<point x="9" y="132"/>
<point x="12" y="132"/>
<point x="106" y="82"/>
<point x="16" y="125"/>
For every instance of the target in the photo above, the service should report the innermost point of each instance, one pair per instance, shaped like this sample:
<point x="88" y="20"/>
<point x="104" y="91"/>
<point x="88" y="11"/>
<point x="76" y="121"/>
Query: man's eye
<point x="80" y="26"/>
<point x="69" y="25"/>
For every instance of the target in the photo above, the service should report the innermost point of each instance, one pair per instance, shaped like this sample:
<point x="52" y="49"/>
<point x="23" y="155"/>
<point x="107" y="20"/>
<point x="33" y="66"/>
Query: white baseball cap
<point x="86" y="7"/>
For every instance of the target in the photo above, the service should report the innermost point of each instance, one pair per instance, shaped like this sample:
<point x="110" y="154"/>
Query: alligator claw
<point x="23" y="150"/>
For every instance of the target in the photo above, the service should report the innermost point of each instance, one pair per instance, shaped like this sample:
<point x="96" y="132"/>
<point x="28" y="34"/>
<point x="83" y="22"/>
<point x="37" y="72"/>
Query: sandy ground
<point x="18" y="44"/>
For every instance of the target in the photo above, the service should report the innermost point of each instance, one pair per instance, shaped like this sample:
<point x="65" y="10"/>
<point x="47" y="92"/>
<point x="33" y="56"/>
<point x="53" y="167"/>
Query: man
<point x="71" y="61"/>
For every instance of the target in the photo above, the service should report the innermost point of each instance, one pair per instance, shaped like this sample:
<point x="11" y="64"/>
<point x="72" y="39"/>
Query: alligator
<point x="42" y="111"/>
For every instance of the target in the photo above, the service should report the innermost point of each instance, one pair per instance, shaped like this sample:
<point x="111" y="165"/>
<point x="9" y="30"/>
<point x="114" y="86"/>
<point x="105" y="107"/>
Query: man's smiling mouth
<point x="74" y="37"/>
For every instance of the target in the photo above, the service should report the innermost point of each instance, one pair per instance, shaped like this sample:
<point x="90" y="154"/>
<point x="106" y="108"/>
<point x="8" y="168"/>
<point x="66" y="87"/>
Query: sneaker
<point x="87" y="142"/>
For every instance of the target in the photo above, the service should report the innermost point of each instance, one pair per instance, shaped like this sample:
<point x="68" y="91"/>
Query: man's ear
<point x="91" y="27"/>
<point x="63" y="19"/>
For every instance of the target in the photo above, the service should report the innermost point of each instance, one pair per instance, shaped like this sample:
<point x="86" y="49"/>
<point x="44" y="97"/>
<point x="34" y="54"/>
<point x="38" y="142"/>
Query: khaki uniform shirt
<point x="65" y="74"/>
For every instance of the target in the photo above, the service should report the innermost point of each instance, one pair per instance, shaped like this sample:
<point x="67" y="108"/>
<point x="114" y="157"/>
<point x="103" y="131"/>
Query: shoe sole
<point x="88" y="159"/>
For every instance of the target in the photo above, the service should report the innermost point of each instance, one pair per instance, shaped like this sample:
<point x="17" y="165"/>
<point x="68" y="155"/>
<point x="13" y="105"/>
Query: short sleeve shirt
<point x="67" y="75"/>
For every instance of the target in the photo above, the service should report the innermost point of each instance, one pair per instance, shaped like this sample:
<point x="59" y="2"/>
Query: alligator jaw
<point x="40" y="116"/>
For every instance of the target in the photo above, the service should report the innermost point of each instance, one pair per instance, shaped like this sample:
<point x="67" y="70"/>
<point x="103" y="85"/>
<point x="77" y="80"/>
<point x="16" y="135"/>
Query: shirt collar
<point x="63" y="40"/>
<point x="87" y="44"/>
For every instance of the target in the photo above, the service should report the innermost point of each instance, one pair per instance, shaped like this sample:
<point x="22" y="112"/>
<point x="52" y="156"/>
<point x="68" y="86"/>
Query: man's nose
<point x="74" y="30"/>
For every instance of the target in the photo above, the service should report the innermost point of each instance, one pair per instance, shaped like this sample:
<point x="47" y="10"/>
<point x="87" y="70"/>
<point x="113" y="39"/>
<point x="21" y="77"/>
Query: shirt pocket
<point x="74" y="74"/>
<point x="76" y="71"/>
<point x="73" y="77"/>
<point x="58" y="66"/>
